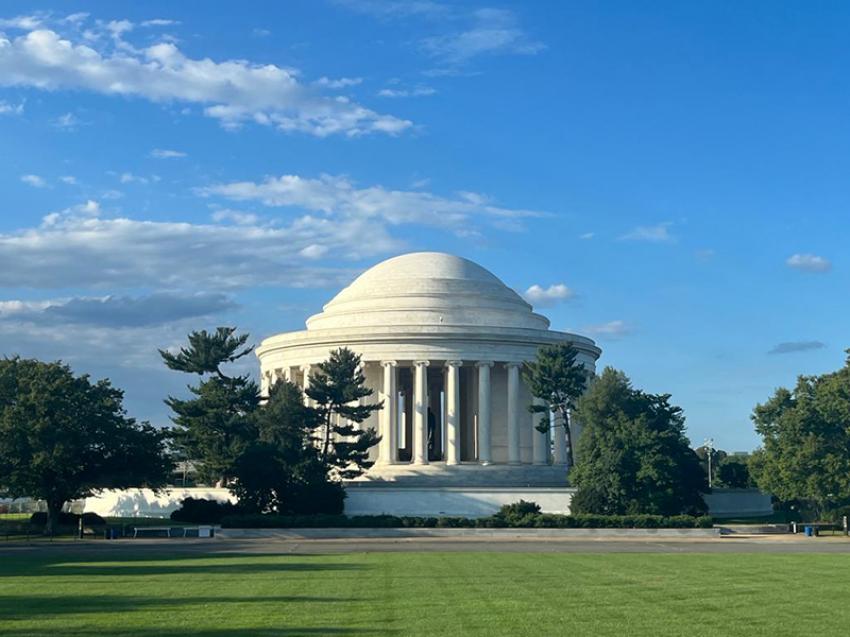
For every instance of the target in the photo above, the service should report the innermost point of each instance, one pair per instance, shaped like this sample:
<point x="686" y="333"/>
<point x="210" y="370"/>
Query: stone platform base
<point x="471" y="474"/>
<point x="366" y="499"/>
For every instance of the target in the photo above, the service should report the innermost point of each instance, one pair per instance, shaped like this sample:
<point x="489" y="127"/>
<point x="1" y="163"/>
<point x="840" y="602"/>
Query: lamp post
<point x="709" y="445"/>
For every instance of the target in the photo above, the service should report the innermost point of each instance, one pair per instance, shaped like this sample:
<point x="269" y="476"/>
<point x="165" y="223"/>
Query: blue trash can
<point x="809" y="531"/>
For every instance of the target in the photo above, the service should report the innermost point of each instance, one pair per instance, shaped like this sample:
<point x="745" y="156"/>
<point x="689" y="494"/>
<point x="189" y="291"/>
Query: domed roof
<point x="427" y="289"/>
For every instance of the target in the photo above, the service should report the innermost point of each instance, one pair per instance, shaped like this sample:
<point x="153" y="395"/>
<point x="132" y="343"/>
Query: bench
<point x="156" y="529"/>
<point x="202" y="531"/>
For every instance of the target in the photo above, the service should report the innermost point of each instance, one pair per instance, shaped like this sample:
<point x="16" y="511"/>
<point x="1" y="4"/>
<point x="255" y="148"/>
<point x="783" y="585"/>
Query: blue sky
<point x="671" y="176"/>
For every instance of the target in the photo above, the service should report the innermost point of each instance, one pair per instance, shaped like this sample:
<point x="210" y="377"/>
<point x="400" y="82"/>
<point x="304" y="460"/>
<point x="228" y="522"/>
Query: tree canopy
<point x="633" y="454"/>
<point x="64" y="437"/>
<point x="557" y="378"/>
<point x="215" y="426"/>
<point x="805" y="453"/>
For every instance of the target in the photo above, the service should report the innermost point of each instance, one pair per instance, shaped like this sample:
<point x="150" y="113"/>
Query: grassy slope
<point x="488" y="594"/>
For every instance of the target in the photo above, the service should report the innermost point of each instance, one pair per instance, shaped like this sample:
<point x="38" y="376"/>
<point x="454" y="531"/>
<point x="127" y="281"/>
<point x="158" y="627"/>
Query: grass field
<point x="488" y="594"/>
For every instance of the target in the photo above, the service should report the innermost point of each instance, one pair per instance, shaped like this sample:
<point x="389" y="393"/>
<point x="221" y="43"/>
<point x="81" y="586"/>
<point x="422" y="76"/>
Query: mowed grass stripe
<point x="414" y="594"/>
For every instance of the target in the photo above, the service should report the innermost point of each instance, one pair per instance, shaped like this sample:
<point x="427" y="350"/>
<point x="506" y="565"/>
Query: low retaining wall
<point x="139" y="503"/>
<point x="504" y="534"/>
<point x="470" y="502"/>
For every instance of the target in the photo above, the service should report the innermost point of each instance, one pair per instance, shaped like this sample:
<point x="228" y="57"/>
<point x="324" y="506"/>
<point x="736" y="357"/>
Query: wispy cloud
<point x="796" y="346"/>
<point x="36" y="181"/>
<point x="66" y="121"/>
<point x="808" y="263"/>
<point x="234" y="92"/>
<point x="416" y="91"/>
<point x="611" y="329"/>
<point x="341" y="82"/>
<point x="659" y="233"/>
<point x="166" y="153"/>
<point x="492" y="31"/>
<point x="11" y="109"/>
<point x="539" y="296"/>
<point x="338" y="195"/>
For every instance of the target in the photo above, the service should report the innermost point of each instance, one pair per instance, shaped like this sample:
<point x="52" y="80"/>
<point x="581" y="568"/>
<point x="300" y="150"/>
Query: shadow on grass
<point x="23" y="607"/>
<point x="204" y="632"/>
<point x="56" y="564"/>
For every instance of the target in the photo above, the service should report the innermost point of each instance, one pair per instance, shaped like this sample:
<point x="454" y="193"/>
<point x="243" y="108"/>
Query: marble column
<point x="453" y="411"/>
<point x="485" y="454"/>
<point x="388" y="451"/>
<point x="305" y="369"/>
<point x="513" y="413"/>
<point x="559" y="439"/>
<point x="420" y="413"/>
<point x="539" y="439"/>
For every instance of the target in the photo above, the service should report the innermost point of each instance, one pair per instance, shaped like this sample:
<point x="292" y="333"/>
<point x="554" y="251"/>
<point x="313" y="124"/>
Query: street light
<point x="709" y="445"/>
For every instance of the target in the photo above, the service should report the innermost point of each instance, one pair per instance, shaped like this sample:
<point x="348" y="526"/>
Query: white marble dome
<point x="427" y="288"/>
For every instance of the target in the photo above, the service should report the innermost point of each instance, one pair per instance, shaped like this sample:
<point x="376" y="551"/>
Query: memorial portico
<point x="442" y="343"/>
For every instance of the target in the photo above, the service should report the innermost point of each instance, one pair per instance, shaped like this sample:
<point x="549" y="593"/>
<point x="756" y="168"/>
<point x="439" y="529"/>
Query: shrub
<point x="66" y="518"/>
<point x="202" y="511"/>
<point x="528" y="520"/>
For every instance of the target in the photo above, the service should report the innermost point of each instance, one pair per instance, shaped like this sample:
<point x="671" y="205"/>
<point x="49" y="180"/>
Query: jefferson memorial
<point x="442" y="342"/>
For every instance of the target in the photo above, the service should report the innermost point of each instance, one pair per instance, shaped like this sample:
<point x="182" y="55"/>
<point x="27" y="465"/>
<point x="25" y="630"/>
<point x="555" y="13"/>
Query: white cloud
<point x="586" y="236"/>
<point x="417" y="91"/>
<point x="493" y="31"/>
<point x="159" y="22"/>
<point x="76" y="248"/>
<point x="539" y="296"/>
<point x="659" y="233"/>
<point x="341" y="82"/>
<point x="67" y="121"/>
<point x="165" y="153"/>
<point x="129" y="178"/>
<point x="235" y="216"/>
<point x="68" y="179"/>
<point x="338" y="195"/>
<point x="808" y="263"/>
<point x="11" y="109"/>
<point x="36" y="181"/>
<point x="22" y="22"/>
<point x="234" y="92"/>
<point x="611" y="329"/>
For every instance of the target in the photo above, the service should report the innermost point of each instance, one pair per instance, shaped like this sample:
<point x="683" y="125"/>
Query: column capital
<point x="454" y="363"/>
<point x="511" y="364"/>
<point x="306" y="368"/>
<point x="421" y="363"/>
<point x="389" y="363"/>
<point x="484" y="363"/>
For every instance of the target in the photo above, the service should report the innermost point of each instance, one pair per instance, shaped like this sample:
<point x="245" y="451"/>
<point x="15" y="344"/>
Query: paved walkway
<point x="727" y="544"/>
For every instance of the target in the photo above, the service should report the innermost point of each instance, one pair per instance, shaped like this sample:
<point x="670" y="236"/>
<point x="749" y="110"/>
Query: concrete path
<point x="729" y="544"/>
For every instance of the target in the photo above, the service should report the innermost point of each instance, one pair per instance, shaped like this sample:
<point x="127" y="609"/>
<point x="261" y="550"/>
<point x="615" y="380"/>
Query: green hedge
<point x="532" y="521"/>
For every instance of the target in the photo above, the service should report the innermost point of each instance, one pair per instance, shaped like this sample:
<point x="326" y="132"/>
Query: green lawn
<point x="434" y="594"/>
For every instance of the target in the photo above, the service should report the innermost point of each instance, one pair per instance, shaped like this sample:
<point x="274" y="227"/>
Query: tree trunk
<point x="565" y="418"/>
<point x="54" y="510"/>
<point x="327" y="442"/>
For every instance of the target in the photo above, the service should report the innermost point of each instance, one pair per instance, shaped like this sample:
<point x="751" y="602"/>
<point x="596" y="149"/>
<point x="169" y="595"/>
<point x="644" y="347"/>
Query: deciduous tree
<point x="64" y="437"/>
<point x="633" y="454"/>
<point x="805" y="453"/>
